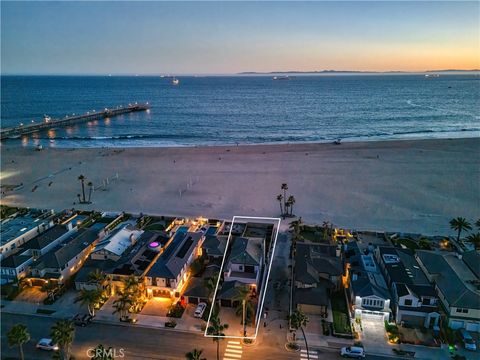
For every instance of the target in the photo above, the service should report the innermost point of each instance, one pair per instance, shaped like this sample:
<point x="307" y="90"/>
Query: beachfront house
<point x="245" y="261"/>
<point x="17" y="265"/>
<point x="63" y="261"/>
<point x="116" y="243"/>
<point x="20" y="228"/>
<point x="318" y="271"/>
<point x="368" y="292"/>
<point x="214" y="246"/>
<point x="414" y="300"/>
<point x="168" y="276"/>
<point x="456" y="278"/>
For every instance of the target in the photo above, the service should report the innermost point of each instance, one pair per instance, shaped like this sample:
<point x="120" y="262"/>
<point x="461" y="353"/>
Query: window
<point x="408" y="302"/>
<point x="460" y="310"/>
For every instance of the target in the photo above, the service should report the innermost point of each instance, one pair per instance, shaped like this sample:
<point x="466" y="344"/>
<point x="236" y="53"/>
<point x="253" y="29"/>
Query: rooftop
<point x="401" y="266"/>
<point x="14" y="227"/>
<point x="173" y="259"/>
<point x="313" y="260"/>
<point x="453" y="277"/>
<point x="120" y="239"/>
<point x="71" y="247"/>
<point x="246" y="251"/>
<point x="45" y="238"/>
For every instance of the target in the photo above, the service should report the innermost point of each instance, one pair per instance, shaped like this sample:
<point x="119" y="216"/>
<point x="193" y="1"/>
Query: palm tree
<point x="210" y="284"/>
<point x="284" y="187"/>
<point x="63" y="333"/>
<point x="195" y="354"/>
<point x="474" y="239"/>
<point x="91" y="298"/>
<point x="122" y="305"/>
<point x="90" y="189"/>
<point x="101" y="353"/>
<point x="216" y="329"/>
<point x="459" y="224"/>
<point x="245" y="307"/>
<point x="98" y="277"/>
<point x="134" y="289"/>
<point x="279" y="199"/>
<point x="82" y="180"/>
<point x="325" y="229"/>
<point x="297" y="321"/>
<point x="17" y="336"/>
<point x="291" y="201"/>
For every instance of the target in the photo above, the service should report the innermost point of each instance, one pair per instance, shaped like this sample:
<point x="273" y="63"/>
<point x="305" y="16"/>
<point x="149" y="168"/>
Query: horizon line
<point x="245" y="73"/>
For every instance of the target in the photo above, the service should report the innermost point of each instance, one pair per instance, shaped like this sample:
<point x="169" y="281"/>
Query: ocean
<point x="216" y="110"/>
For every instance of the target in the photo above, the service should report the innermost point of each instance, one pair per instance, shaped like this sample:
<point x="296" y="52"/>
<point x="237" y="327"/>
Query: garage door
<point x="471" y="326"/>
<point x="413" y="320"/>
<point x="192" y="300"/>
<point x="366" y="314"/>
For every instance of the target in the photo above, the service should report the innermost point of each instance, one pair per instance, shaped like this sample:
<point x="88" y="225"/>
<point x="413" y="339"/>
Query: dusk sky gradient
<point x="222" y="38"/>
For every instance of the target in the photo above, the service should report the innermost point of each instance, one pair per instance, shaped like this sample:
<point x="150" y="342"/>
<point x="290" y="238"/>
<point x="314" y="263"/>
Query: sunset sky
<point x="222" y="38"/>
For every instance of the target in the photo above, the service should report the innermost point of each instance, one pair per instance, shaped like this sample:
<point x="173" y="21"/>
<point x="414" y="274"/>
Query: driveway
<point x="157" y="307"/>
<point x="32" y="294"/>
<point x="374" y="337"/>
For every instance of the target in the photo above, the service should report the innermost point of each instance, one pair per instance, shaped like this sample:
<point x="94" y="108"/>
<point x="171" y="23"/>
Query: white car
<point x="200" y="310"/>
<point x="47" y="344"/>
<point x="352" y="352"/>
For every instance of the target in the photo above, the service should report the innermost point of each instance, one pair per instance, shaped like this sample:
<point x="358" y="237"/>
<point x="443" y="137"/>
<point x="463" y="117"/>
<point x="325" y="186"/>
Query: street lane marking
<point x="234" y="355"/>
<point x="234" y="342"/>
<point x="234" y="351"/>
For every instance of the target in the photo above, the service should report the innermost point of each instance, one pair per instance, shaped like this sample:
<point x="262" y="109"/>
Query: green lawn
<point x="410" y="244"/>
<point x="341" y="318"/>
<point x="312" y="236"/>
<point x="156" y="226"/>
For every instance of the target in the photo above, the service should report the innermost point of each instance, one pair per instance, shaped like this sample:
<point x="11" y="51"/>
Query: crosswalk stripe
<point x="234" y="346"/>
<point x="234" y="342"/>
<point x="233" y="351"/>
<point x="234" y="355"/>
<point x="227" y="358"/>
<point x="312" y="356"/>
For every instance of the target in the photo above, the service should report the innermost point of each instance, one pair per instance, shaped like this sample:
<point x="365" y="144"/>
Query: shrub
<point x="176" y="311"/>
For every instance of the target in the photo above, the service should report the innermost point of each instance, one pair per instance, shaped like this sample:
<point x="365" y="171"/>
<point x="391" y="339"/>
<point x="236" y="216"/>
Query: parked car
<point x="47" y="344"/>
<point x="352" y="352"/>
<point x="467" y="340"/>
<point x="82" y="319"/>
<point x="200" y="310"/>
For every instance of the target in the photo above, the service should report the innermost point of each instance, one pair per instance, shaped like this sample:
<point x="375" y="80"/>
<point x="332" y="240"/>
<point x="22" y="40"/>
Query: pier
<point x="49" y="123"/>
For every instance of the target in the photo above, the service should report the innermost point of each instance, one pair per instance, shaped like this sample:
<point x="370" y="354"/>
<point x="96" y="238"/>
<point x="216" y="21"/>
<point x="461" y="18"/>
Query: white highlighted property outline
<point x="266" y="280"/>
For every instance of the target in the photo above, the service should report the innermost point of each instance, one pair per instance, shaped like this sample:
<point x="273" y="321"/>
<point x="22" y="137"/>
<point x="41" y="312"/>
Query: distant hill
<point x="353" y="72"/>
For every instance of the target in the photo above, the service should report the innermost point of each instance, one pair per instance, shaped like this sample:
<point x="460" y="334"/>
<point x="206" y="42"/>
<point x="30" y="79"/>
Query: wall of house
<point x="12" y="245"/>
<point x="415" y="302"/>
<point x="104" y="255"/>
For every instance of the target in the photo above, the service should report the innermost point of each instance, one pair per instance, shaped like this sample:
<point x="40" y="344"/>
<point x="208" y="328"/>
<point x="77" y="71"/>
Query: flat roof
<point x="12" y="228"/>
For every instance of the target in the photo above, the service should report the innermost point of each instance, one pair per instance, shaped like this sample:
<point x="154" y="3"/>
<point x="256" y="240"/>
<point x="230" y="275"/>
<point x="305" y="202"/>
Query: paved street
<point x="142" y="343"/>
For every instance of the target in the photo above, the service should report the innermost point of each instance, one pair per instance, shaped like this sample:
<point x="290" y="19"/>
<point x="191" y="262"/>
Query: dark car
<point x="82" y="319"/>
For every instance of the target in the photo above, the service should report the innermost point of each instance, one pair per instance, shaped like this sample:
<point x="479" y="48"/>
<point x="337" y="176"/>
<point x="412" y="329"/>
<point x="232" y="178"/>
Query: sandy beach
<point x="414" y="186"/>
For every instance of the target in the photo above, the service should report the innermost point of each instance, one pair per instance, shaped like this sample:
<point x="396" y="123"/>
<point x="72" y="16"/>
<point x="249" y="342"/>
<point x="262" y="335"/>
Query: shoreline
<point x="396" y="185"/>
<point x="6" y="145"/>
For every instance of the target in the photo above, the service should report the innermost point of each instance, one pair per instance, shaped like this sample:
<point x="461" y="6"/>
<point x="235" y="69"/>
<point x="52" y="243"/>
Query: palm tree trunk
<point x="458" y="235"/>
<point x="306" y="345"/>
<point x="291" y="210"/>
<point x="20" y="347"/>
<point x="281" y="208"/>
<point x="89" y="194"/>
<point x="83" y="190"/>
<point x="218" y="349"/>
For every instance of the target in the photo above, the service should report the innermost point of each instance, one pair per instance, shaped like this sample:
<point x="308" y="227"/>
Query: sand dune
<point x="413" y="186"/>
